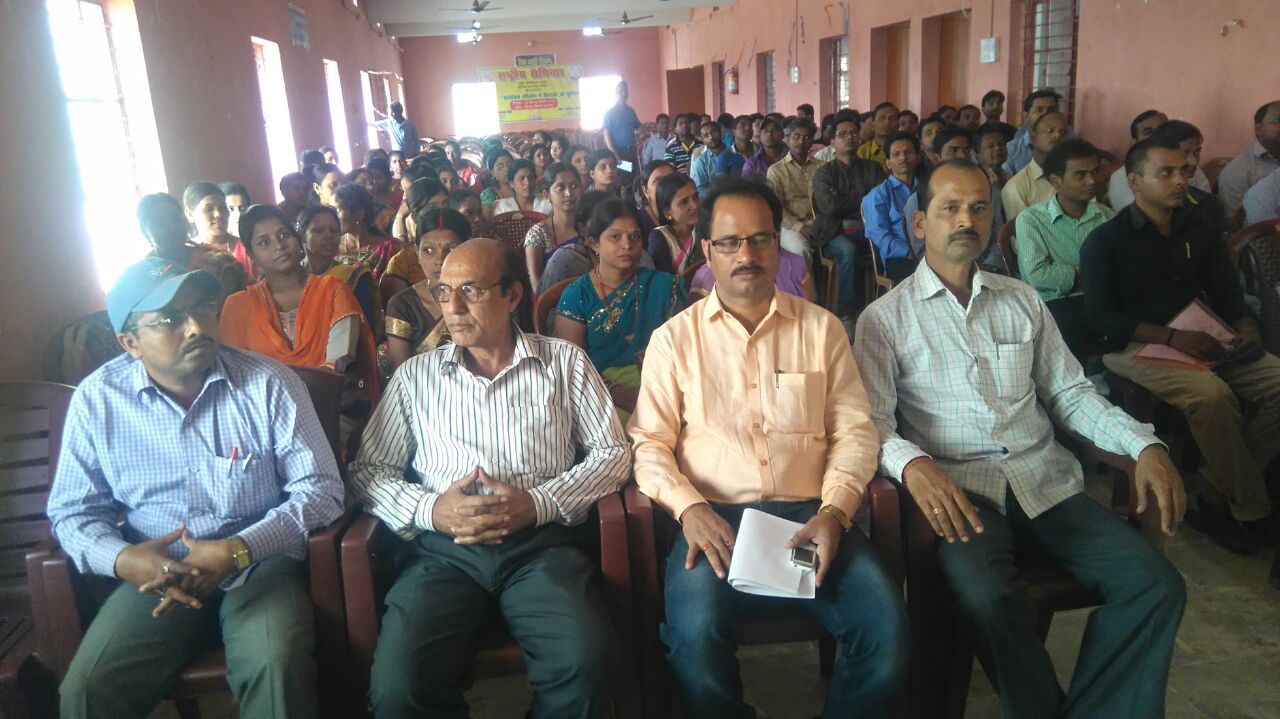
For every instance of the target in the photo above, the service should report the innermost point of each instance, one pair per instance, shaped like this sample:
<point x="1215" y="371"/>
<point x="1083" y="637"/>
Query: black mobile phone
<point x="805" y="556"/>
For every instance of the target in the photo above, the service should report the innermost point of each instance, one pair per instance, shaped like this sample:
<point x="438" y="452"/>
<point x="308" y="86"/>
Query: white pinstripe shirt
<point x="975" y="389"/>
<point x="527" y="427"/>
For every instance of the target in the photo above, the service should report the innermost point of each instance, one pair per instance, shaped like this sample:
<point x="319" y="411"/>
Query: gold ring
<point x="705" y="547"/>
<point x="937" y="511"/>
<point x="165" y="568"/>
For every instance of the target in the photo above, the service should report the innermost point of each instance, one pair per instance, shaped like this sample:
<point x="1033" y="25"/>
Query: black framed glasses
<point x="731" y="245"/>
<point x="470" y="293"/>
<point x="170" y="320"/>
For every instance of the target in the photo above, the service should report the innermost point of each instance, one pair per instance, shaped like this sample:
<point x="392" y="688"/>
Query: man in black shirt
<point x="1138" y="271"/>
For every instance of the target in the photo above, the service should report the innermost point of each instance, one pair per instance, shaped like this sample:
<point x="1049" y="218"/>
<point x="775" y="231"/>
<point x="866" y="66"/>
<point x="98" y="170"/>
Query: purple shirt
<point x="792" y="271"/>
<point x="757" y="166"/>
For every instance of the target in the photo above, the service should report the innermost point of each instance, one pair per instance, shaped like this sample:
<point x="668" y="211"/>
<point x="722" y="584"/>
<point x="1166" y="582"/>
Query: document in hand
<point x="761" y="561"/>
<point x="1195" y="317"/>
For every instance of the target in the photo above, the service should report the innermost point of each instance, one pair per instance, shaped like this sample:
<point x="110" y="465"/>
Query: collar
<point x="791" y="158"/>
<point x="895" y="183"/>
<point x="713" y="307"/>
<point x="1261" y="152"/>
<point x="1055" y="210"/>
<point x="217" y="373"/>
<point x="525" y="349"/>
<point x="926" y="284"/>
<point x="1139" y="221"/>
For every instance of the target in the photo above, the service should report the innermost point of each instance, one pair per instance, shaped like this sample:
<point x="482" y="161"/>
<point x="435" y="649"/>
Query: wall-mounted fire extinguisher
<point x="731" y="80"/>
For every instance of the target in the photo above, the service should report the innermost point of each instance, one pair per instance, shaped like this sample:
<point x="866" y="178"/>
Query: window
<point x="370" y="110"/>
<point x="717" y="73"/>
<point x="838" y="64"/>
<point x="337" y="110"/>
<point x="766" y="91"/>
<point x="475" y="109"/>
<point x="117" y="148"/>
<point x="275" y="109"/>
<point x="1049" y="46"/>
<point x="596" y="95"/>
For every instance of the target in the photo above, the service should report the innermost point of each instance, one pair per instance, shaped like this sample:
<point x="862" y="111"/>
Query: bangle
<point x="913" y="463"/>
<point x="1170" y="340"/>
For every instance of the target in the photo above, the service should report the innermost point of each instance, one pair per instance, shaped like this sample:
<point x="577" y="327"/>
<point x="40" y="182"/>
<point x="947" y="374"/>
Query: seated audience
<point x="751" y="399"/>
<point x="325" y="179"/>
<point x="1030" y="186"/>
<point x="908" y="122"/>
<point x="741" y="147"/>
<point x="540" y="156"/>
<point x="1021" y="148"/>
<point x="793" y="277"/>
<point x="578" y="158"/>
<point x="524" y="189"/>
<point x="1048" y="237"/>
<point x="773" y="147"/>
<point x="557" y="230"/>
<point x="197" y="507"/>
<point x="422" y="190"/>
<point x="991" y="151"/>
<point x="413" y="317"/>
<point x="498" y="163"/>
<point x="1259" y="160"/>
<point x="954" y="143"/>
<point x="603" y="175"/>
<point x="365" y="244"/>
<point x="791" y="179"/>
<point x="929" y="130"/>
<point x="295" y="188"/>
<point x="488" y="531"/>
<point x="466" y="171"/>
<point x="1200" y="199"/>
<point x="968" y="117"/>
<point x="883" y="208"/>
<point x="703" y="169"/>
<point x="293" y="316"/>
<point x="321" y="233"/>
<point x="403" y="269"/>
<point x="948" y="114"/>
<point x="671" y="244"/>
<point x="1140" y="270"/>
<point x="966" y="373"/>
<point x="466" y="202"/>
<point x="397" y="163"/>
<point x="207" y="211"/>
<point x="647" y="193"/>
<point x="1262" y="201"/>
<point x="379" y="172"/>
<point x="611" y="311"/>
<point x="573" y="260"/>
<point x="163" y="223"/>
<point x="330" y="156"/>
<point x="885" y="124"/>
<point x="308" y="158"/>
<point x="838" y="189"/>
<point x="237" y="200"/>
<point x="559" y="148"/>
<point x="680" y="149"/>
<point x="655" y="146"/>
<point x="992" y="109"/>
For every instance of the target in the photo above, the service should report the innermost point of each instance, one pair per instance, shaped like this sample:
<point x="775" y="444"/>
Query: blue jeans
<point x="842" y="250"/>
<point x="857" y="604"/>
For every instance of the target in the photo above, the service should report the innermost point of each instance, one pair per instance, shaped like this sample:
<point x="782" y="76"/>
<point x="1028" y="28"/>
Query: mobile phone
<point x="805" y="556"/>
<point x="624" y="166"/>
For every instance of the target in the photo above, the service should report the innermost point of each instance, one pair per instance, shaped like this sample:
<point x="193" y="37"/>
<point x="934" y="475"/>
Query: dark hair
<point x="947" y="134"/>
<point x="603" y="153"/>
<point x="662" y="116"/>
<point x="355" y="174"/>
<point x="441" y="218"/>
<point x="1177" y="131"/>
<point x="805" y="108"/>
<point x="845" y="115"/>
<point x="1040" y="95"/>
<point x="491" y="157"/>
<point x="725" y="119"/>
<point x="540" y="146"/>
<point x="319" y="171"/>
<point x="255" y="214"/>
<point x="969" y="107"/>
<point x="514" y="272"/>
<point x="1141" y="118"/>
<point x="459" y="196"/>
<point x="718" y="127"/>
<point x="519" y="165"/>
<point x="397" y="107"/>
<point x="941" y="108"/>
<point x="882" y="106"/>
<point x="666" y="192"/>
<point x="420" y="191"/>
<point x="149" y="204"/>
<point x="444" y="167"/>
<point x="575" y="149"/>
<point x="742" y="120"/>
<point x="355" y="197"/>
<point x="1036" y="125"/>
<point x="292" y="177"/>
<point x="197" y="191"/>
<point x="900" y="137"/>
<point x="454" y="143"/>
<point x="991" y="95"/>
<point x="801" y="123"/>
<point x="1136" y="158"/>
<point x="640" y="180"/>
<point x="930" y="120"/>
<point x="394" y="152"/>
<point x="555" y="168"/>
<point x="310" y="157"/>
<point x="987" y="130"/>
<point x="1261" y="113"/>
<point x="564" y="142"/>
<point x="230" y="187"/>
<point x="924" y="188"/>
<point x="767" y="121"/>
<point x="586" y="204"/>
<point x="1055" y="163"/>
<point x="327" y="149"/>
<point x="309" y="214"/>
<point x="606" y="213"/>
<point x="379" y="164"/>
<point x="734" y="186"/>
<point x="908" y="112"/>
<point x="375" y="153"/>
<point x="420" y="171"/>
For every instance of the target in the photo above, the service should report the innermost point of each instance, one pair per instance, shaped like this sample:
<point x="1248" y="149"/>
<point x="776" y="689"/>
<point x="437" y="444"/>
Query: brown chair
<point x="1259" y="261"/>
<point x="367" y="575"/>
<point x="60" y="627"/>
<point x="545" y="306"/>
<point x="1007" y="251"/>
<point x="511" y="227"/>
<point x="1243" y="236"/>
<point x="880" y="282"/>
<point x="650" y="531"/>
<point x="942" y="643"/>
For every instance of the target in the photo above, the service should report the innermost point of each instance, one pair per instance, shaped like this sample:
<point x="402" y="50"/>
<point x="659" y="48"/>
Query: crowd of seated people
<point x="689" y="349"/>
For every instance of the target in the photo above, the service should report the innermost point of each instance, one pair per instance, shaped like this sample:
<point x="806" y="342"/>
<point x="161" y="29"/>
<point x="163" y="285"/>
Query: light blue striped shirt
<point x="129" y="450"/>
<point x="545" y="424"/>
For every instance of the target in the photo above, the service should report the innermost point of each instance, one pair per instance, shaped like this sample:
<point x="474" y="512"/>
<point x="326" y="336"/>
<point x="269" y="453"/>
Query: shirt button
<point x="755" y="425"/>
<point x="753" y="385"/>
<point x="763" y="462"/>
<point x="194" y="470"/>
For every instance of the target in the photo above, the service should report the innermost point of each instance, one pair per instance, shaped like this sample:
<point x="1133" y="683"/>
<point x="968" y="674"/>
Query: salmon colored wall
<point x="433" y="64"/>
<point x="46" y="272"/>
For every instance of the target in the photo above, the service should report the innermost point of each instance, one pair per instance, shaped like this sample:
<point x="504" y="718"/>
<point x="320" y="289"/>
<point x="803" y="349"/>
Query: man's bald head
<point x="494" y="272"/>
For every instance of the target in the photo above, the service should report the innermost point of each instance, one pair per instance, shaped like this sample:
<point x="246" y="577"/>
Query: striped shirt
<point x="976" y="388"/>
<point x="1048" y="243"/>
<point x="129" y="448"/>
<point x="528" y="426"/>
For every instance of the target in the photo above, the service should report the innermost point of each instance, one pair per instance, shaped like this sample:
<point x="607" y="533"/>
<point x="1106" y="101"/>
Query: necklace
<point x="611" y="313"/>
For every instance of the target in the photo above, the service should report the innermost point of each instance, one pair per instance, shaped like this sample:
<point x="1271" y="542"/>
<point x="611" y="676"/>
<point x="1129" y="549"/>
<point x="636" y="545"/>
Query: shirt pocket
<point x="1012" y="370"/>
<point x="798" y="402"/>
<point x="242" y="489"/>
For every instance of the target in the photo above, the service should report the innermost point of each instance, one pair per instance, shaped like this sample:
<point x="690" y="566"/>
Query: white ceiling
<point x="407" y="18"/>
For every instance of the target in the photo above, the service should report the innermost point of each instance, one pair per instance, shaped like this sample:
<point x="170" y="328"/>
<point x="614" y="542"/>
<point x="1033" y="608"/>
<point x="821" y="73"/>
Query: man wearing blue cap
<point x="218" y="465"/>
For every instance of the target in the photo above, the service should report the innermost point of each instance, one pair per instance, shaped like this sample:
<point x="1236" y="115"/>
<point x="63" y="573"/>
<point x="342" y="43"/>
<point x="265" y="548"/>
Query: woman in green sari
<point x="613" y="310"/>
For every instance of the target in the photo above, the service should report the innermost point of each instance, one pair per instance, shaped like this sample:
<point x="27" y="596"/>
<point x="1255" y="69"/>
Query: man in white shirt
<point x="973" y="365"/>
<point x="1119" y="196"/>
<point x="1030" y="186"/>
<point x="655" y="146"/>
<point x="1261" y="159"/>
<point x="1262" y="201"/>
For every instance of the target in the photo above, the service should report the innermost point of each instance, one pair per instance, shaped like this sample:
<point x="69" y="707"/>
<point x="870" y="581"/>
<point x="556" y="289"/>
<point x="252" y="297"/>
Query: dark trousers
<point x="1069" y="314"/>
<point x="899" y="268"/>
<point x="447" y="594"/>
<point x="857" y="604"/>
<point x="1124" y="657"/>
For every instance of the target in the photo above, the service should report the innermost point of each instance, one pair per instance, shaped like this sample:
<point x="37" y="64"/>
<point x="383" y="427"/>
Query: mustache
<point x="966" y="234"/>
<point x="743" y="269"/>
<point x="197" y="343"/>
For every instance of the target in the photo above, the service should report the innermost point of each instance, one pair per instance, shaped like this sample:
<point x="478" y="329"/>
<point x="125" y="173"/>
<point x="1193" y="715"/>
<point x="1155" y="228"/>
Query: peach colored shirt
<point x="731" y="418"/>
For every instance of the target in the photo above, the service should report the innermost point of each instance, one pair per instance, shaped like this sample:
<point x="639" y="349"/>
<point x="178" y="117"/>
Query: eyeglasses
<point x="846" y="134"/>
<point x="171" y="319"/>
<point x="731" y="245"/>
<point x="470" y="294"/>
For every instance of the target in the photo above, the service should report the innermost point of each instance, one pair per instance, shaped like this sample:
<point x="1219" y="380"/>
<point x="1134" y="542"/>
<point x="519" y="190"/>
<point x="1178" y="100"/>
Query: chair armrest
<point x="359" y="590"/>
<point x="646" y="564"/>
<point x="1124" y="491"/>
<point x="886" y="527"/>
<point x="323" y="549"/>
<point x="615" y="557"/>
<point x="54" y="610"/>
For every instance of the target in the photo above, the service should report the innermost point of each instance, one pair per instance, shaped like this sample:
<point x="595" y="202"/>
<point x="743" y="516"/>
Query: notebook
<point x="761" y="562"/>
<point x="1197" y="317"/>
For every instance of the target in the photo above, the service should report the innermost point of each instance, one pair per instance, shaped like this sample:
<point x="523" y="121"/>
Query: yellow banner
<point x="528" y="94"/>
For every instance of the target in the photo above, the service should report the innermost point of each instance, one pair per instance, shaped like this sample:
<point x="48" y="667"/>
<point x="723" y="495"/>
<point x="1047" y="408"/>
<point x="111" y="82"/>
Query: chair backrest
<point x="325" y="388"/>
<point x="545" y="305"/>
<point x="1237" y="240"/>
<point x="1007" y="251"/>
<point x="79" y="348"/>
<point x="32" y="415"/>
<point x="1260" y="264"/>
<point x="511" y="227"/>
<point x="1213" y="168"/>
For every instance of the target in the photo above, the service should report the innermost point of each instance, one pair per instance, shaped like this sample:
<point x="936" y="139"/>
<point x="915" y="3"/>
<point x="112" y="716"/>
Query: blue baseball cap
<point x="151" y="285"/>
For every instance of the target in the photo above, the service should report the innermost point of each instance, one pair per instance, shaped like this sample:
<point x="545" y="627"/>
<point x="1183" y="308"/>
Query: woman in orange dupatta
<point x="296" y="317"/>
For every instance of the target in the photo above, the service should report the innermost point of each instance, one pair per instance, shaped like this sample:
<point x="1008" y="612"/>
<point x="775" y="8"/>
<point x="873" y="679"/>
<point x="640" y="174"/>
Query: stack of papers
<point x="761" y="561"/>
<point x="1195" y="317"/>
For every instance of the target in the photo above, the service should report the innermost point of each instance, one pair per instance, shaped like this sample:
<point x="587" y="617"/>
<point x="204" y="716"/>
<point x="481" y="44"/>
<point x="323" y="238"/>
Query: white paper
<point x="761" y="562"/>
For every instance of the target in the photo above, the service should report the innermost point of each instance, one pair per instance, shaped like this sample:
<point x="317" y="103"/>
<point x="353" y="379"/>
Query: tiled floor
<point x="1226" y="666"/>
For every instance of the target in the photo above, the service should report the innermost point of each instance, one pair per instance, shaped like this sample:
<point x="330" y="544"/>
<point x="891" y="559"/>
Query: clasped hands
<point x="146" y="566"/>
<point x="706" y="532"/>
<point x="482" y="519"/>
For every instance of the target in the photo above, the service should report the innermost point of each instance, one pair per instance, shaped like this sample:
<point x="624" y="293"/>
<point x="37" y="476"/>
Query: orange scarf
<point x="251" y="321"/>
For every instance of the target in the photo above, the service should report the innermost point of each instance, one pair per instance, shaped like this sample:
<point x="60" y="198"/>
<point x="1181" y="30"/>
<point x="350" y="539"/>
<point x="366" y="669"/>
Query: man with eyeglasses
<point x="751" y="399"/>
<point x="220" y="467"/>
<point x="483" y="455"/>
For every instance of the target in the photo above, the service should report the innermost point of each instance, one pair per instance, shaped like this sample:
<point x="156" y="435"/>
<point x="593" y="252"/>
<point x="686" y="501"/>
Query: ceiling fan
<point x="625" y="20"/>
<point x="474" y="27"/>
<point x="477" y="7"/>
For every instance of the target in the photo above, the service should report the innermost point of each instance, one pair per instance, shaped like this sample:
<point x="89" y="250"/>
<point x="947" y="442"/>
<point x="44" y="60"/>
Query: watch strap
<point x="839" y="514"/>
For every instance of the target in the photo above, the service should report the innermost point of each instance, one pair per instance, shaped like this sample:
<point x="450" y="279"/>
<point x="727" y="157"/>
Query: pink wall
<point x="433" y="64"/>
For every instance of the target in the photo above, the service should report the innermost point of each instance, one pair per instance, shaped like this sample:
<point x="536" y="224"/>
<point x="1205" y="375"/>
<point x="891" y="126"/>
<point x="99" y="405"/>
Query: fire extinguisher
<point x="731" y="81"/>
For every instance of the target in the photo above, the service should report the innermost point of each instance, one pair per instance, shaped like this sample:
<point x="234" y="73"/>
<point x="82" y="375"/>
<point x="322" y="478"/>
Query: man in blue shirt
<point x="883" y="208"/>
<point x="703" y="169"/>
<point x="1038" y="103"/>
<point x="403" y="134"/>
<point x="620" y="124"/>
<point x="216" y="461"/>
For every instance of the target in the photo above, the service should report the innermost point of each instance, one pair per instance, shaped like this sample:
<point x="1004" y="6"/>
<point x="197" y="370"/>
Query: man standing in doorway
<point x="403" y="133"/>
<point x="620" y="124"/>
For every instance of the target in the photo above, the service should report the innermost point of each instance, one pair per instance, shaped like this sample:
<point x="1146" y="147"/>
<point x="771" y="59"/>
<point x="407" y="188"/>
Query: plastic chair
<point x="880" y="282"/>
<point x="511" y="227"/>
<point x="545" y="305"/>
<point x="1007" y="250"/>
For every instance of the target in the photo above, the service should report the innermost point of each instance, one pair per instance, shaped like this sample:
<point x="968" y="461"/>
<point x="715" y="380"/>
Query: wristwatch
<point x="839" y="514"/>
<point x="240" y="553"/>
